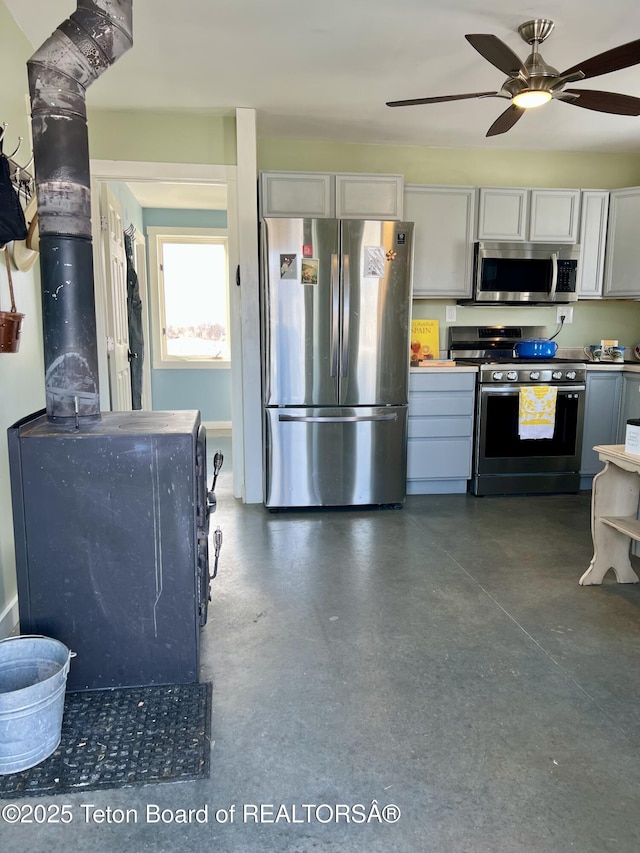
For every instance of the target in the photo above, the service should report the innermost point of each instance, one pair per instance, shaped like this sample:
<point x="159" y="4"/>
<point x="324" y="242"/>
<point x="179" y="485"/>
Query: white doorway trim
<point x="125" y="171"/>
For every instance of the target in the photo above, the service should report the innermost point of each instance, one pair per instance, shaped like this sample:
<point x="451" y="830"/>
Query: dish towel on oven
<point x="537" y="411"/>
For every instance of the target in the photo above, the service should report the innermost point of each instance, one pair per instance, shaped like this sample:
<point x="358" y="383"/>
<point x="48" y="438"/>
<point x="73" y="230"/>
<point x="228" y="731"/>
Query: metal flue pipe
<point x="97" y="34"/>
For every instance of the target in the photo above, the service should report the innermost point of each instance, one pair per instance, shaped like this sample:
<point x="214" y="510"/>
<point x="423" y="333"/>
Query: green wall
<point x="162" y="137"/>
<point x="455" y="165"/>
<point x="592" y="321"/>
<point x="21" y="373"/>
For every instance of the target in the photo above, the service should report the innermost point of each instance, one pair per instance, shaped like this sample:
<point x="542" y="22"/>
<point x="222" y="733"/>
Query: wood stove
<point x="111" y="523"/>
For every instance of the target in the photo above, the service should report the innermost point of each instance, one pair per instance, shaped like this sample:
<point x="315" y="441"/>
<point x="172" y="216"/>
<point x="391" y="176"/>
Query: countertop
<point x="462" y="368"/>
<point x="629" y="366"/>
<point x="619" y="367"/>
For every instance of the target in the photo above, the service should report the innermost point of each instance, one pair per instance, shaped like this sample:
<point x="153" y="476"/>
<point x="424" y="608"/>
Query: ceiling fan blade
<point x="506" y="121"/>
<point x="619" y="57"/>
<point x="441" y="99"/>
<point x="604" y="102"/>
<point x="497" y="53"/>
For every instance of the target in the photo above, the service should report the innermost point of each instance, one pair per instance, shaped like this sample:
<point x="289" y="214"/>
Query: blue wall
<point x="209" y="388"/>
<point x="155" y="216"/>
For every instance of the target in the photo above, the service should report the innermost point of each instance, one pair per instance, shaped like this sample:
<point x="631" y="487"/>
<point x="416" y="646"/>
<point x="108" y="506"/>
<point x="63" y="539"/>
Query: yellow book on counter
<point x="425" y="341"/>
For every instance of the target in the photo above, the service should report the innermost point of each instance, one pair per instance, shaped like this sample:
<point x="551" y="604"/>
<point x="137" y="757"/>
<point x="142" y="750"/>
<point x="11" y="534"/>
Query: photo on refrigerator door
<point x="288" y="267"/>
<point x="374" y="261"/>
<point x="310" y="268"/>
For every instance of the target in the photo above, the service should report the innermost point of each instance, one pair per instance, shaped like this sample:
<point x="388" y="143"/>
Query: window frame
<point x="156" y="236"/>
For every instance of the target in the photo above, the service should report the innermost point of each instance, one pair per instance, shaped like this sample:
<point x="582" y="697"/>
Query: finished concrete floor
<point x="440" y="659"/>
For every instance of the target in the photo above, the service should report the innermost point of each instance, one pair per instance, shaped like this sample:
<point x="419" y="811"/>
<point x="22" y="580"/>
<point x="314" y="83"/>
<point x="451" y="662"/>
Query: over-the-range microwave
<point x="515" y="273"/>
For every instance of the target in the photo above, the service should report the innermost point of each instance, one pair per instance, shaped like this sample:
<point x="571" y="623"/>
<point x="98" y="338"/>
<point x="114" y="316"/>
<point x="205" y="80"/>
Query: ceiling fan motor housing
<point x="540" y="75"/>
<point x="536" y="31"/>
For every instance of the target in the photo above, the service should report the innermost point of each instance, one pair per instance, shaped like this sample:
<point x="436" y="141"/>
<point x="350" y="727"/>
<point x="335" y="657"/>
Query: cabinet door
<point x="362" y="196"/>
<point x="444" y="220"/>
<point x="307" y="195"/>
<point x="630" y="406"/>
<point x="503" y="213"/>
<point x="602" y="407"/>
<point x="623" y="244"/>
<point x="554" y="216"/>
<point x="440" y="432"/>
<point x="593" y="238"/>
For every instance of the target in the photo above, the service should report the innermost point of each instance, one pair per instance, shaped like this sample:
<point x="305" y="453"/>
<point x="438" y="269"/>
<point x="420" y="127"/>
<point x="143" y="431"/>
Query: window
<point x="193" y="297"/>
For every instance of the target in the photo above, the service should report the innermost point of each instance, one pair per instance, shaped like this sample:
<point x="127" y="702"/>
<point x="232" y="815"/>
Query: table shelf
<point x="629" y="525"/>
<point x="615" y="497"/>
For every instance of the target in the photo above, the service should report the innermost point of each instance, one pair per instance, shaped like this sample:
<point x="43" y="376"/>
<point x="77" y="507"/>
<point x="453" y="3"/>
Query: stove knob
<point x="512" y="375"/>
<point x="496" y="376"/>
<point x="571" y="374"/>
<point x="535" y="374"/>
<point x="557" y="374"/>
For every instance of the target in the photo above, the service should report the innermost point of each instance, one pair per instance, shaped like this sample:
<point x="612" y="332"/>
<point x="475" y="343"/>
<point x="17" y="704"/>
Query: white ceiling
<point x="324" y="70"/>
<point x="180" y="196"/>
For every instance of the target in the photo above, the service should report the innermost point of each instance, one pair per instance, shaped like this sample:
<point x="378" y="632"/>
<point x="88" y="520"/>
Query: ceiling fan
<point x="533" y="82"/>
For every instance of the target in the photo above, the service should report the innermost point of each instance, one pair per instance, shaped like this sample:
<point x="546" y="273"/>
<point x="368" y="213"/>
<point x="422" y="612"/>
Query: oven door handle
<point x="514" y="389"/>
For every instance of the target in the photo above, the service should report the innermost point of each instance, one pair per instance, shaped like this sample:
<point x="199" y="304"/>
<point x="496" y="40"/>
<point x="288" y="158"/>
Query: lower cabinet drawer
<point x="447" y="458"/>
<point x="440" y="427"/>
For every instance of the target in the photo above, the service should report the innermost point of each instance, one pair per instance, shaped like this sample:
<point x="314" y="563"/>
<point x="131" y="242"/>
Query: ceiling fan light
<point x="531" y="98"/>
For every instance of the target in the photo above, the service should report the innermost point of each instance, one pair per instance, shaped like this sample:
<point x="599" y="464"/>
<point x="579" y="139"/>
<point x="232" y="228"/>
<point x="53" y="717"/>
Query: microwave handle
<point x="554" y="276"/>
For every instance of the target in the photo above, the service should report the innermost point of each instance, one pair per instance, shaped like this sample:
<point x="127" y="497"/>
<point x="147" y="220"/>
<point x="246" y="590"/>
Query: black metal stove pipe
<point x="97" y="34"/>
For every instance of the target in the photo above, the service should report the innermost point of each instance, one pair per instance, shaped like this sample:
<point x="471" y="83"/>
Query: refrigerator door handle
<point x="345" y="315"/>
<point x="335" y="314"/>
<point x="342" y="419"/>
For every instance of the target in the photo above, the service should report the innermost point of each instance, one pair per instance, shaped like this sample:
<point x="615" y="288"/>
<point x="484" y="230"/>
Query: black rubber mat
<point x="124" y="737"/>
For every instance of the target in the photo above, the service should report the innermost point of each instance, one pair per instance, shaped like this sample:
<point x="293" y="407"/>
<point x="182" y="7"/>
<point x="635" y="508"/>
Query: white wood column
<point x="251" y="390"/>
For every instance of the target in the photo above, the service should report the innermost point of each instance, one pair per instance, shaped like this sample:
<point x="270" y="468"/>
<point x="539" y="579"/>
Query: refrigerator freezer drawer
<point x="343" y="456"/>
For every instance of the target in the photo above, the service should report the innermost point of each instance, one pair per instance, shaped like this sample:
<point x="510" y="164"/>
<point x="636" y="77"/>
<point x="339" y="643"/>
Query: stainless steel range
<point x="506" y="459"/>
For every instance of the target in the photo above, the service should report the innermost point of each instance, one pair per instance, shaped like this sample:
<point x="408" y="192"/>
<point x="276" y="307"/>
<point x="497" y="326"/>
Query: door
<point x="622" y="258"/>
<point x="335" y="456"/>
<point x="376" y="288"/>
<point x="116" y="287"/>
<point x="500" y="450"/>
<point x="301" y="312"/>
<point x="445" y="221"/>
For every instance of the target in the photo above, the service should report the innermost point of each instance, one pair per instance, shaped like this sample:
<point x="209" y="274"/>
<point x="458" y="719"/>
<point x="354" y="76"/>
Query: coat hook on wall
<point x="21" y="178"/>
<point x="13" y="154"/>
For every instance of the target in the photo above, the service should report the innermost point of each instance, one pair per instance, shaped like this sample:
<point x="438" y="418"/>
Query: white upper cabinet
<point x="503" y="213"/>
<point x="361" y="196"/>
<point x="593" y="238"/>
<point x="444" y="220"/>
<point x="309" y="195"/>
<point x="554" y="216"/>
<point x="621" y="278"/>
<point x="518" y="214"/>
<point x="319" y="195"/>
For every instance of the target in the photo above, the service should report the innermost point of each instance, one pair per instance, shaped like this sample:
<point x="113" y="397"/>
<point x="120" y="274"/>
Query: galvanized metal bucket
<point x="33" y="679"/>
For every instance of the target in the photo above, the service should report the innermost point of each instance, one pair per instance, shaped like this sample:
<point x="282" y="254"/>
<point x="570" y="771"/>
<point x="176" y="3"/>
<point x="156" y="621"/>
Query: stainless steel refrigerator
<point x="336" y="310"/>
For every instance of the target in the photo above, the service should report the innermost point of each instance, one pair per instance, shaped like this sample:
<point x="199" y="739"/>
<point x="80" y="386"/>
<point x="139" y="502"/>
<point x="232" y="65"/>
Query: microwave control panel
<point x="567" y="270"/>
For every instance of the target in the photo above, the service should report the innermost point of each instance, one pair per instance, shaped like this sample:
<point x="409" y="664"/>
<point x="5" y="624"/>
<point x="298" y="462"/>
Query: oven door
<point x="499" y="450"/>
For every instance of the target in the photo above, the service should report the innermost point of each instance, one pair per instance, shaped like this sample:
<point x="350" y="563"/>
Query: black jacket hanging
<point x="12" y="222"/>
<point x="136" y="337"/>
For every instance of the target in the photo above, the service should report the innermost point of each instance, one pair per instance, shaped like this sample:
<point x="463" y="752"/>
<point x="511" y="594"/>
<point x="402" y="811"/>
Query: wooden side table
<point x="614" y="509"/>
